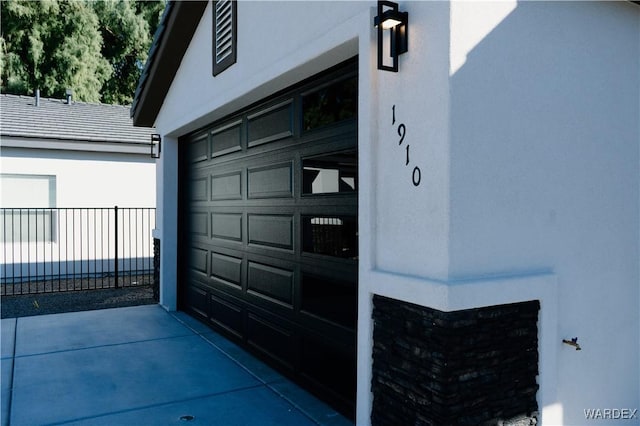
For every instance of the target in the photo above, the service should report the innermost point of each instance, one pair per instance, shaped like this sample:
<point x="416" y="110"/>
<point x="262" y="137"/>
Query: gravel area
<point x="58" y="285"/>
<point x="73" y="301"/>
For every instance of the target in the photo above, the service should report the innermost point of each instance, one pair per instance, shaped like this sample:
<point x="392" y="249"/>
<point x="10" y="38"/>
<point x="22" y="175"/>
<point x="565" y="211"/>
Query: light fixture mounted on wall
<point x="156" y="145"/>
<point x="397" y="23"/>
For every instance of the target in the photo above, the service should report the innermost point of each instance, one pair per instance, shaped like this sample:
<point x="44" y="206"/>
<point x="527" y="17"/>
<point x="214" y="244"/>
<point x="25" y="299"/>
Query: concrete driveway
<point x="141" y="366"/>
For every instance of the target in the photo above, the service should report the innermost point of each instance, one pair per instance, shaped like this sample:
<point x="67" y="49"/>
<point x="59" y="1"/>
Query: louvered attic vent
<point x="224" y="34"/>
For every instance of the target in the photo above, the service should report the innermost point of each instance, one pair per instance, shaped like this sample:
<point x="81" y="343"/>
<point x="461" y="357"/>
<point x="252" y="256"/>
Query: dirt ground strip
<point x="73" y="301"/>
<point x="73" y="284"/>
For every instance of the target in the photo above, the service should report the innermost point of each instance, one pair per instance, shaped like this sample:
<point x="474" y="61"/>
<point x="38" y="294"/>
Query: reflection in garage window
<point x="332" y="236"/>
<point x="331" y="104"/>
<point x="330" y="174"/>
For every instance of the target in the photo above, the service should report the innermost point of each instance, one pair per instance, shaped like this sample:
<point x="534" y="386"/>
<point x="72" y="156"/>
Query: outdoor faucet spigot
<point x="573" y="342"/>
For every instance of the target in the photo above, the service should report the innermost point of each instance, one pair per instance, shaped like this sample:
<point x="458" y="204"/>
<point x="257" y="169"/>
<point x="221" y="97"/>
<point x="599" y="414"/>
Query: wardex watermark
<point x="611" y="413"/>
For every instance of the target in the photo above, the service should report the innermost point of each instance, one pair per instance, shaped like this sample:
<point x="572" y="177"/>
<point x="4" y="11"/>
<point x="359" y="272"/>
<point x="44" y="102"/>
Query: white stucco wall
<point x="82" y="180"/>
<point x="88" y="179"/>
<point x="545" y="178"/>
<point x="523" y="118"/>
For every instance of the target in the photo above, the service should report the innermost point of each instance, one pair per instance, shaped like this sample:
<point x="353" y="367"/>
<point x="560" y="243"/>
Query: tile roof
<point x="78" y="121"/>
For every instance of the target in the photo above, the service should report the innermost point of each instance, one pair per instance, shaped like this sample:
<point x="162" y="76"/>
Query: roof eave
<point x="170" y="43"/>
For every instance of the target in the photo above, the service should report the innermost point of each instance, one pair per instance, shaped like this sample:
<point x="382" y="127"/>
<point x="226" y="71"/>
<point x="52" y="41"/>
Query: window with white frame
<point x="27" y="208"/>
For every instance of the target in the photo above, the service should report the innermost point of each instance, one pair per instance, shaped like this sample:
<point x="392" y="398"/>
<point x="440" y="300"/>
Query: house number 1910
<point x="416" y="176"/>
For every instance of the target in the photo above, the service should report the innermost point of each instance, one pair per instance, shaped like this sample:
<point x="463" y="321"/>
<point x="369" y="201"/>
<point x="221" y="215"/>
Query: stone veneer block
<point x="476" y="366"/>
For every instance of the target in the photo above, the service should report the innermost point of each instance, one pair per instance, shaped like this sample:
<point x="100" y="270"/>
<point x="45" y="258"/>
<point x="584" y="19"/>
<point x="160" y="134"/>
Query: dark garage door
<point x="269" y="225"/>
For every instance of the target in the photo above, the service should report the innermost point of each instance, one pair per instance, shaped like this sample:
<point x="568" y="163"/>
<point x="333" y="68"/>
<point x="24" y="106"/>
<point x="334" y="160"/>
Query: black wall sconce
<point x="156" y="145"/>
<point x="397" y="23"/>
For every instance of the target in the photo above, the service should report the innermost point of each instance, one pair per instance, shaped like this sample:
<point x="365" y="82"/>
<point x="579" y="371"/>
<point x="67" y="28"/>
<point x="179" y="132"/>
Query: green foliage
<point x="97" y="49"/>
<point x="127" y="30"/>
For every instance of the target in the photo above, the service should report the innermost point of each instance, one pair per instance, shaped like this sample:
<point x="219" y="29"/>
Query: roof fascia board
<point x="68" y="145"/>
<point x="74" y="139"/>
<point x="180" y="25"/>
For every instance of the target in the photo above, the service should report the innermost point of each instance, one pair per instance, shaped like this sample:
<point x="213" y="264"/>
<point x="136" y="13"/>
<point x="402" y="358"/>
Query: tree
<point x="97" y="49"/>
<point x="127" y="31"/>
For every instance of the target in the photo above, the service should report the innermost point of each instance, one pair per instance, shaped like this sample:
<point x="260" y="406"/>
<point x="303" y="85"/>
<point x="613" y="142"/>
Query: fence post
<point x="116" y="245"/>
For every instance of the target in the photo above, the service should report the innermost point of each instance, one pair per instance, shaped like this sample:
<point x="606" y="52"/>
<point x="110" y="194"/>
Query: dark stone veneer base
<point x="470" y="367"/>
<point x="156" y="269"/>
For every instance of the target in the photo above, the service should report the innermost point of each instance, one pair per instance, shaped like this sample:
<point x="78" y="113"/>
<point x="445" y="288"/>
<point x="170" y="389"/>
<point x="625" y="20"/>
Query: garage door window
<point x="330" y="174"/>
<point x="330" y="104"/>
<point x="332" y="236"/>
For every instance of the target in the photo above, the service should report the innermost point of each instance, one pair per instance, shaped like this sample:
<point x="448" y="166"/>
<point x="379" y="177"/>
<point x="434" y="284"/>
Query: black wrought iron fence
<point x="47" y="250"/>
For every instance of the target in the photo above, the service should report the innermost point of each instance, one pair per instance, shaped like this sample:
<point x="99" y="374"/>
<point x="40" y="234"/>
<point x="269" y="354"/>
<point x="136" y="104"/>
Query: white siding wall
<point x="524" y="121"/>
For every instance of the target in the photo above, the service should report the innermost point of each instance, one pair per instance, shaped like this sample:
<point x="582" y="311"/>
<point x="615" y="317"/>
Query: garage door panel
<point x="272" y="181"/>
<point x="332" y="300"/>
<point x="227" y="186"/>
<point x="274" y="340"/>
<point x="222" y="287"/>
<point x="226" y="269"/>
<point x="217" y="244"/>
<point x="330" y="267"/>
<point x="226" y="139"/>
<point x="202" y="281"/>
<point x="274" y="152"/>
<point x="199" y="224"/>
<point x="272" y="283"/>
<point x="342" y="336"/>
<point x="270" y="208"/>
<point x="198" y="301"/>
<point x="227" y="315"/>
<point x="198" y="151"/>
<point x="226" y="226"/>
<point x="328" y="205"/>
<point x="198" y="260"/>
<point x="271" y="124"/>
<point x="328" y="365"/>
<point x="199" y="189"/>
<point x="335" y="139"/>
<point x="271" y="230"/>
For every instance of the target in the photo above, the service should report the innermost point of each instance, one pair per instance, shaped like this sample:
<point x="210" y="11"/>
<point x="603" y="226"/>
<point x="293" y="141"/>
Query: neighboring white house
<point x="65" y="154"/>
<point x="89" y="155"/>
<point x="482" y="201"/>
